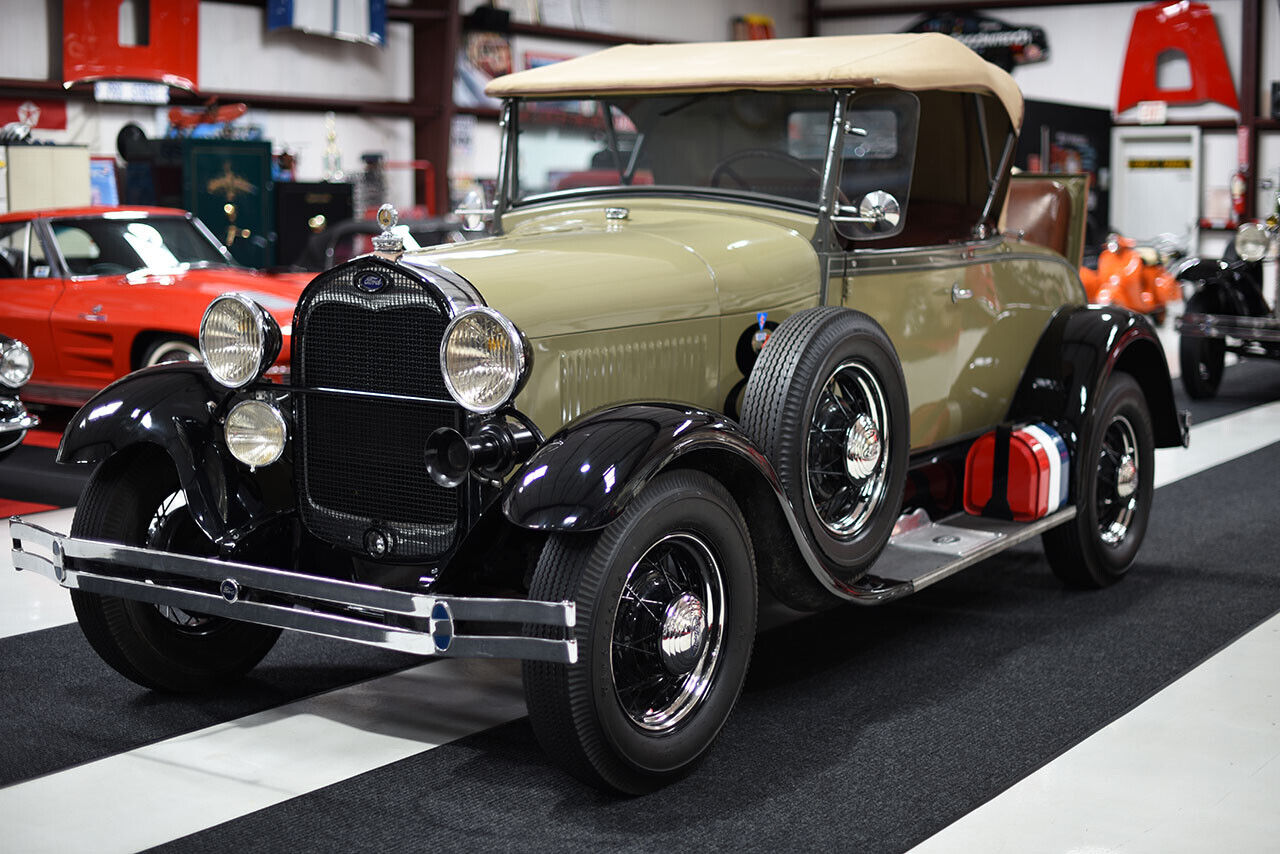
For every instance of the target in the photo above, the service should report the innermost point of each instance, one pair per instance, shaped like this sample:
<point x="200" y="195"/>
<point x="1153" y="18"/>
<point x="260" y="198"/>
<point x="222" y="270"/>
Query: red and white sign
<point x="40" y="114"/>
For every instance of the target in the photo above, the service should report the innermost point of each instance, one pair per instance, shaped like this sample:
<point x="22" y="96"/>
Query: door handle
<point x="958" y="293"/>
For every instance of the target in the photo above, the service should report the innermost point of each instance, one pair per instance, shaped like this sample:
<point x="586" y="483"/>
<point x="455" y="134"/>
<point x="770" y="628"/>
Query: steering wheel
<point x="724" y="169"/>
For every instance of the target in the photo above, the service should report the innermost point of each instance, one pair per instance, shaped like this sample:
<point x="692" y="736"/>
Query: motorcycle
<point x="1133" y="275"/>
<point x="1227" y="310"/>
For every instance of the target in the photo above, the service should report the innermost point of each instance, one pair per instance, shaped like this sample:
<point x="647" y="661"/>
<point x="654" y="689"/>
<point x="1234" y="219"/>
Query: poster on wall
<point x="484" y="55"/>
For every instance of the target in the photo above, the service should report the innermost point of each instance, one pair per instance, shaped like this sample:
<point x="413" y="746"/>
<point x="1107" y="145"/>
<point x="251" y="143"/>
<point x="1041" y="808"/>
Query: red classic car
<point x="98" y="292"/>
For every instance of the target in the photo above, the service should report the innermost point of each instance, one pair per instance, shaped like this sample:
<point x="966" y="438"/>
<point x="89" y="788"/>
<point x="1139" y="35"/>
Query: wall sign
<point x="1185" y="28"/>
<point x="996" y="41"/>
<point x="132" y="40"/>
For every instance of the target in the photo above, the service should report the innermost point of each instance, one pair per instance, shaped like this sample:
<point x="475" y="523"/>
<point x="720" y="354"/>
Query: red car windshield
<point x="98" y="246"/>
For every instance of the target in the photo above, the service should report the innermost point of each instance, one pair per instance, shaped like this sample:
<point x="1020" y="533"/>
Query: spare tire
<point x="826" y="402"/>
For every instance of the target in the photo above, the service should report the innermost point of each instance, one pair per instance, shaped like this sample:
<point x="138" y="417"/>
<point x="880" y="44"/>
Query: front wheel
<point x="666" y="605"/>
<point x="1114" y="486"/>
<point x="176" y="348"/>
<point x="135" y="499"/>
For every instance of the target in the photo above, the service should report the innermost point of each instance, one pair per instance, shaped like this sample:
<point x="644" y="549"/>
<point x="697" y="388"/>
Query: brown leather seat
<point x="1039" y="211"/>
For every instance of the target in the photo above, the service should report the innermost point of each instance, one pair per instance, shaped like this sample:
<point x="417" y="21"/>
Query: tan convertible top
<point x="905" y="61"/>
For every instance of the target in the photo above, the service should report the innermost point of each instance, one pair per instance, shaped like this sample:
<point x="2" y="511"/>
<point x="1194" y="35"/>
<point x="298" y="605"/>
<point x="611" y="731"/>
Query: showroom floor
<point x="992" y="712"/>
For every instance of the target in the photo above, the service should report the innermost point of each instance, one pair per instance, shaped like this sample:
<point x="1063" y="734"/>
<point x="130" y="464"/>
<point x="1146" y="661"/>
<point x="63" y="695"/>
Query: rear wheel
<point x="1201" y="359"/>
<point x="1114" y="486"/>
<point x="135" y="499"/>
<point x="666" y="616"/>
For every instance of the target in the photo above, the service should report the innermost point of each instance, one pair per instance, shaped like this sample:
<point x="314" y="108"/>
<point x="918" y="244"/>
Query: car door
<point x="28" y="292"/>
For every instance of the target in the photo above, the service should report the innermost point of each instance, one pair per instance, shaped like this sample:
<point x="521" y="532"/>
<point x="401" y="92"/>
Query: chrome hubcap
<point x="862" y="448"/>
<point x="683" y="628"/>
<point x="1116" y="498"/>
<point x="847" y="450"/>
<point x="667" y="631"/>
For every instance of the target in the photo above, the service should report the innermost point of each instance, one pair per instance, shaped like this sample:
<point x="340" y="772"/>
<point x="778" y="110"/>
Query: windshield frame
<point x="507" y="184"/>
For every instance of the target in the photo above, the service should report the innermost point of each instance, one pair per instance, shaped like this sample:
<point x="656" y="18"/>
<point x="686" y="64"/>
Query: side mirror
<point x="877" y="213"/>
<point x="475" y="210"/>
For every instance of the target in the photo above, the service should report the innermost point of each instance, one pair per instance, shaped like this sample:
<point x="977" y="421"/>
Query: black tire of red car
<point x="172" y="348"/>
<point x="133" y="499"/>
<point x="1114" y="482"/>
<point x="826" y="402"/>
<point x="653" y="685"/>
<point x="1201" y="359"/>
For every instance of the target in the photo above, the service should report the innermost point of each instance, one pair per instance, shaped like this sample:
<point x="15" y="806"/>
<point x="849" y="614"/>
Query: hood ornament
<point x="388" y="241"/>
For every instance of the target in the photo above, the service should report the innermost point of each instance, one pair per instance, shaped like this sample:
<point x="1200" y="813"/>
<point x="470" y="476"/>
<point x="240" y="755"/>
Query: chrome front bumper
<point x="15" y="421"/>
<point x="420" y="623"/>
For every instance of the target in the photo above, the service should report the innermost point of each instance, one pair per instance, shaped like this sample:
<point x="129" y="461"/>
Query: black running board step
<point x="930" y="553"/>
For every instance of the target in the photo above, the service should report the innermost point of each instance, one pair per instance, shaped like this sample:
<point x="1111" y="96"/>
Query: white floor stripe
<point x="1195" y="769"/>
<point x="186" y="784"/>
<point x="1218" y="441"/>
<point x="167" y="790"/>
<point x="31" y="602"/>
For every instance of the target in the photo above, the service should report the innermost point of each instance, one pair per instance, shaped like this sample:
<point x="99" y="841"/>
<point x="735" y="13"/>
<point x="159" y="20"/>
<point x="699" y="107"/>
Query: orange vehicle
<point x="98" y="292"/>
<point x="1131" y="276"/>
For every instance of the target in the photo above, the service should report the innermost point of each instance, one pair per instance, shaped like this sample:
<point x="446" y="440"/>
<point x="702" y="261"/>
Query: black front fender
<point x="1076" y="355"/>
<point x="178" y="408"/>
<point x="586" y="475"/>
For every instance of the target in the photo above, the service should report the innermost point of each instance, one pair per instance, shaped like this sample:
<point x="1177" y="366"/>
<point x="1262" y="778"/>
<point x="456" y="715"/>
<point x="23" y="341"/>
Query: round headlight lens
<point x="16" y="365"/>
<point x="232" y="339"/>
<point x="484" y="359"/>
<point x="1251" y="242"/>
<point x="255" y="433"/>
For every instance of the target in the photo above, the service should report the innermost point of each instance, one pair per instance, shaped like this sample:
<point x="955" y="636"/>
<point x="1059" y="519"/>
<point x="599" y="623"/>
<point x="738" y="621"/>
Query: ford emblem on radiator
<point x="371" y="282"/>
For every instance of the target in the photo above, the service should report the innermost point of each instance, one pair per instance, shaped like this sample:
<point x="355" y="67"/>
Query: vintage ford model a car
<point x="763" y="335"/>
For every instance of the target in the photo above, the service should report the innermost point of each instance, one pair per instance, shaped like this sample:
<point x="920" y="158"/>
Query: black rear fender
<point x="178" y="408"/>
<point x="1075" y="357"/>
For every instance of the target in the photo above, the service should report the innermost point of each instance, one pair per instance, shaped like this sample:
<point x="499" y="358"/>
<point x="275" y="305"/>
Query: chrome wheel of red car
<point x="171" y="350"/>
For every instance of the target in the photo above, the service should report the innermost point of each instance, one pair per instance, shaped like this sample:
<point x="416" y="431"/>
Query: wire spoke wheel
<point x="848" y="453"/>
<point x="1116" y="498"/>
<point x="826" y="402"/>
<point x="667" y="630"/>
<point x="134" y="498"/>
<point x="1113" y="476"/>
<point x="666" y="618"/>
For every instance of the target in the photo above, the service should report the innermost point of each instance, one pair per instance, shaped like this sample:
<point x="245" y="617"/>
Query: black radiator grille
<point x="360" y="460"/>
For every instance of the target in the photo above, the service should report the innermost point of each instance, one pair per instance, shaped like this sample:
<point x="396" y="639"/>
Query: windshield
<point x="766" y="143"/>
<point x="105" y="246"/>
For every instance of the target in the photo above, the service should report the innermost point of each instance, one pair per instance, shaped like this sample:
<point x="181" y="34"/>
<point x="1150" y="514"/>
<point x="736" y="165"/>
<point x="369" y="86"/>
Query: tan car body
<point x="651" y="306"/>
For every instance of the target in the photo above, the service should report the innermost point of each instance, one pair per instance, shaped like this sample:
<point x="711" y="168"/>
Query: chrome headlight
<point x="485" y="359"/>
<point x="255" y="433"/>
<point x="1251" y="242"/>
<point x="238" y="339"/>
<point x="16" y="364"/>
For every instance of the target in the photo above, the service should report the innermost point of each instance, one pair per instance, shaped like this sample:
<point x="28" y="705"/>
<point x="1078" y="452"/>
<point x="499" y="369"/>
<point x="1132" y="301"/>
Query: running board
<point x="931" y="552"/>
